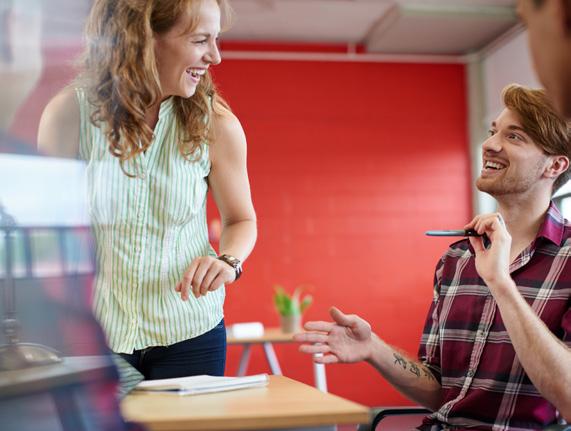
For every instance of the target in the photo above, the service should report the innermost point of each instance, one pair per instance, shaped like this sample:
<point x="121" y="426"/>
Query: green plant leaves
<point x="290" y="305"/>
<point x="305" y="303"/>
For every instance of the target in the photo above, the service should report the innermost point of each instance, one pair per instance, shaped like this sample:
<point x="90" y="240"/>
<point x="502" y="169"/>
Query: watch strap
<point x="234" y="262"/>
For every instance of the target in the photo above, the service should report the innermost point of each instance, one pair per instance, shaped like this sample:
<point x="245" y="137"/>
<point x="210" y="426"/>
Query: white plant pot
<point x="291" y="324"/>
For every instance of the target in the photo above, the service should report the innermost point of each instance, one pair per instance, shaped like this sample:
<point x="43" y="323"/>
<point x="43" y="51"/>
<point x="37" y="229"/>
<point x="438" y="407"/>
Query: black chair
<point x="396" y="418"/>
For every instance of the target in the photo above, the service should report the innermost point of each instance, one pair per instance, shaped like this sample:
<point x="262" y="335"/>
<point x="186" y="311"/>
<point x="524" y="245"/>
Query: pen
<point x="459" y="232"/>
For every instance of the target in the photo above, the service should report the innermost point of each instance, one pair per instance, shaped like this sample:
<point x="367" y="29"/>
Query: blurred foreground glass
<point x="44" y="238"/>
<point x="20" y="55"/>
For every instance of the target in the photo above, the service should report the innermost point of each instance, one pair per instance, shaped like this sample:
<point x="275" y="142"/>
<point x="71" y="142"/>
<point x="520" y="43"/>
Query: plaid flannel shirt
<point x="466" y="345"/>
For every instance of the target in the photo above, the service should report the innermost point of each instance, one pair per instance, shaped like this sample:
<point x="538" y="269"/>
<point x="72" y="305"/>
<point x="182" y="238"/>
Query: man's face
<point x="550" y="46"/>
<point x="512" y="163"/>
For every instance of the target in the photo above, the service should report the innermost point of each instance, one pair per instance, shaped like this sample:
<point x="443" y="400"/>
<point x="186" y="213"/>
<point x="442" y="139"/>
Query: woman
<point x="146" y="117"/>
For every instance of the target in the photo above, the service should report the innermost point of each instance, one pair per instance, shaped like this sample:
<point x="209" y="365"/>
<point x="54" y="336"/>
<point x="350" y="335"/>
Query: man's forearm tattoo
<point x="412" y="367"/>
<point x="400" y="360"/>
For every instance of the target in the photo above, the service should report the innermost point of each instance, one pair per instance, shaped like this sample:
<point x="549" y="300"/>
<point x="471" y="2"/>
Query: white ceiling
<point x="451" y="27"/>
<point x="425" y="27"/>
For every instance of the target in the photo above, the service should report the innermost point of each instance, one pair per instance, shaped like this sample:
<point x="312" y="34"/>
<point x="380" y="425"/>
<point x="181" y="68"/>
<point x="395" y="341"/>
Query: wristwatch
<point x="233" y="262"/>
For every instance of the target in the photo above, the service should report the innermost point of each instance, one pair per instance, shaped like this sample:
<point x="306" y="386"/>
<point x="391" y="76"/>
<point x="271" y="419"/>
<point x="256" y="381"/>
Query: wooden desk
<point x="284" y="403"/>
<point x="273" y="335"/>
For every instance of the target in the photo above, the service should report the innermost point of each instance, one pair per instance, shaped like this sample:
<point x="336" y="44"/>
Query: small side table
<point x="273" y="335"/>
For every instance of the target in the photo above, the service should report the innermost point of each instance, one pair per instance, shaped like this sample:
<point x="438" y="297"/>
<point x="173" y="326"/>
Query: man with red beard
<point x="494" y="353"/>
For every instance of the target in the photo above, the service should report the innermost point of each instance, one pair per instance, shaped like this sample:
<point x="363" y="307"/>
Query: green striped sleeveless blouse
<point x="148" y="229"/>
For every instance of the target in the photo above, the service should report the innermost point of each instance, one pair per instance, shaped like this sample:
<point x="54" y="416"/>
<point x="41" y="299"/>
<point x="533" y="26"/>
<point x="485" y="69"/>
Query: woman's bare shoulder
<point x="58" y="132"/>
<point x="227" y="126"/>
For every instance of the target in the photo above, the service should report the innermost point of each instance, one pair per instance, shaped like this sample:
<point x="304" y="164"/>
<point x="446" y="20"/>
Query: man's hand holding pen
<point x="492" y="244"/>
<point x="493" y="261"/>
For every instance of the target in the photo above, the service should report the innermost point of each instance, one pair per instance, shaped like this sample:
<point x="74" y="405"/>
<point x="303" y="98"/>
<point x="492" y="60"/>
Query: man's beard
<point x="509" y="184"/>
<point x="504" y="186"/>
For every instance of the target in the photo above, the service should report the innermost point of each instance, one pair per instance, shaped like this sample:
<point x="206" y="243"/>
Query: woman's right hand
<point x="204" y="274"/>
<point x="347" y="339"/>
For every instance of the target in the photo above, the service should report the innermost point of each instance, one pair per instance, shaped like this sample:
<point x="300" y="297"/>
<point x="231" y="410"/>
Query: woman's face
<point x="182" y="57"/>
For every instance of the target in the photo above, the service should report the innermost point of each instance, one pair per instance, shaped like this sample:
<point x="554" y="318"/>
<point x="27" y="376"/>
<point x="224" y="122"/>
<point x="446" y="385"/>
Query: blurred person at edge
<point x="495" y="349"/>
<point x="146" y="116"/>
<point x="548" y="25"/>
<point x="20" y="68"/>
<point x="20" y="65"/>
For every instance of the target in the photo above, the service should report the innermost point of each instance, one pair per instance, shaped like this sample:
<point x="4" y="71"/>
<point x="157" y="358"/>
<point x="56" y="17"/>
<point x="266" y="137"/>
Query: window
<point x="41" y="252"/>
<point x="563" y="200"/>
<point x="44" y="225"/>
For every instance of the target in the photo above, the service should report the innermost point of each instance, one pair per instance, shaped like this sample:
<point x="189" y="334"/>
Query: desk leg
<point x="320" y="377"/>
<point x="272" y="359"/>
<point x="68" y="411"/>
<point x="244" y="360"/>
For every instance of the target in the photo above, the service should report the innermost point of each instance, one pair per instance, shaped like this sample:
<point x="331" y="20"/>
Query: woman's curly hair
<point x="119" y="73"/>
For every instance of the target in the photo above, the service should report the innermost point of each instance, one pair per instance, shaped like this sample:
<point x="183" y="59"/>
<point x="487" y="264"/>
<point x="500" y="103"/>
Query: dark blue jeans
<point x="205" y="354"/>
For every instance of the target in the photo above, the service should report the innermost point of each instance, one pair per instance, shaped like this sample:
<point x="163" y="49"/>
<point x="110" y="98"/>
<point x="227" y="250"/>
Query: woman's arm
<point x="58" y="133"/>
<point x="230" y="187"/>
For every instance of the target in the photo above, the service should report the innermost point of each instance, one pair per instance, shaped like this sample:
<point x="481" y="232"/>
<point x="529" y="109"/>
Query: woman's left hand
<point x="204" y="274"/>
<point x="492" y="263"/>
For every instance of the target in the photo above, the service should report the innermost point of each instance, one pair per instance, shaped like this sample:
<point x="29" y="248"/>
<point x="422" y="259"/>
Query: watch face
<point x="231" y="260"/>
<point x="234" y="263"/>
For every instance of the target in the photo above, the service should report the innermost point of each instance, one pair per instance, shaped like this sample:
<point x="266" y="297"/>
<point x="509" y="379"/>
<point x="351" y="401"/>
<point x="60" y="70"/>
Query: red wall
<point x="349" y="163"/>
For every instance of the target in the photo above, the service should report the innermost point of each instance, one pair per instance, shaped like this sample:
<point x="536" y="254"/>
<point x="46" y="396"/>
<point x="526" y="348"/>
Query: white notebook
<point x="203" y="384"/>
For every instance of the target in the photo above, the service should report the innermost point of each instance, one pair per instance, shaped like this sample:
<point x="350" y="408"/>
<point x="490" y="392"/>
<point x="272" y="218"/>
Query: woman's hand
<point x="204" y="274"/>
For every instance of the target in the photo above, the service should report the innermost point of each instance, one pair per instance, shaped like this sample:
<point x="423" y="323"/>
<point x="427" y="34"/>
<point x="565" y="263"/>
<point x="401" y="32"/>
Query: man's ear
<point x="558" y="165"/>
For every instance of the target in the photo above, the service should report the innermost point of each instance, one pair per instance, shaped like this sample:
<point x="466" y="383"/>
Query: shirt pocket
<point x="183" y="189"/>
<point x="113" y="196"/>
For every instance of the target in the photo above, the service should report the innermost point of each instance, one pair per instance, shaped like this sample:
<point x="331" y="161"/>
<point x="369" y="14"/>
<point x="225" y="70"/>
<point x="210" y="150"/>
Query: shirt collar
<point x="166" y="107"/>
<point x="552" y="228"/>
<point x="553" y="225"/>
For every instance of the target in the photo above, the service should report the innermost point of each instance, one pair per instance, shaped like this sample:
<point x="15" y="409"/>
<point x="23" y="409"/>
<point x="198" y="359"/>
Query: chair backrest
<point x="398" y="418"/>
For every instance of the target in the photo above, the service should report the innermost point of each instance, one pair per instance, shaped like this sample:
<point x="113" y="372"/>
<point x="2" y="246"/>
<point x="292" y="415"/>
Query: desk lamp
<point x="15" y="355"/>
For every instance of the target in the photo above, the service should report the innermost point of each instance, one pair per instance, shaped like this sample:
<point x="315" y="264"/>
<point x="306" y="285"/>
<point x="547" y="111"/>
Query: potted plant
<point x="291" y="307"/>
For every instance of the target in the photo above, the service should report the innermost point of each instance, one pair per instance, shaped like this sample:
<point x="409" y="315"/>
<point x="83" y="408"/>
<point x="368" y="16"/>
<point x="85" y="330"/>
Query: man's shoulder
<point x="458" y="248"/>
<point x="457" y="251"/>
<point x="566" y="234"/>
<point x="564" y="246"/>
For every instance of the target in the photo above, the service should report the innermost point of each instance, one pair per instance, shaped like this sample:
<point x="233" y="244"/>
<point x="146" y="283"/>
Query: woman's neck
<point x="152" y="115"/>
